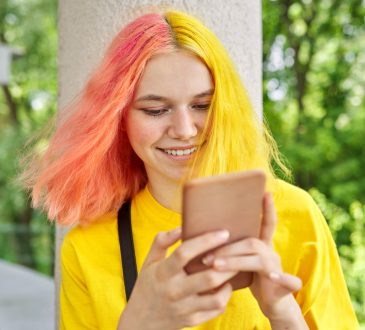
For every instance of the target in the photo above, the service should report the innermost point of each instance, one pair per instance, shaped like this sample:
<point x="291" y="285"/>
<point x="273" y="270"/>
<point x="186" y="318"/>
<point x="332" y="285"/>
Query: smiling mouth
<point x="180" y="152"/>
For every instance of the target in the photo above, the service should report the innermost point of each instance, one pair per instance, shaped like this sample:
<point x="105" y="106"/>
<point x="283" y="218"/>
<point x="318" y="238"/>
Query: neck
<point x="168" y="194"/>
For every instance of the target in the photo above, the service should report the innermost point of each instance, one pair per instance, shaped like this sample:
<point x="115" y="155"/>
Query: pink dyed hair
<point x="89" y="168"/>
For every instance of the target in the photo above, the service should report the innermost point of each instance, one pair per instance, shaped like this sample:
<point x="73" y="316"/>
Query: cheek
<point x="142" y="133"/>
<point x="138" y="138"/>
<point x="202" y="120"/>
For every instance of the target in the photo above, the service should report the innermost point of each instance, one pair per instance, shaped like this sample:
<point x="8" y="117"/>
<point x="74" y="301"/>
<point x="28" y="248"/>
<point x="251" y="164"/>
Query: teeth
<point x="180" y="152"/>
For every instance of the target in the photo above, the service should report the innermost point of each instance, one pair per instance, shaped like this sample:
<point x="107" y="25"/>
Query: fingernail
<point x="223" y="235"/>
<point x="208" y="259"/>
<point x="274" y="276"/>
<point x="220" y="263"/>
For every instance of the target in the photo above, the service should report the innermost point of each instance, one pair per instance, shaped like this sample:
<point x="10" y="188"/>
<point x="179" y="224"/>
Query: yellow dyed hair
<point x="235" y="138"/>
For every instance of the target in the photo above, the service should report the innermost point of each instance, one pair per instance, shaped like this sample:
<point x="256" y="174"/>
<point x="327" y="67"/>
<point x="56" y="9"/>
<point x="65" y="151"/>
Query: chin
<point x="176" y="177"/>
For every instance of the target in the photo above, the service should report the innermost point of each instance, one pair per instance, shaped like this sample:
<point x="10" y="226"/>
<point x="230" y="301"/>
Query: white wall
<point x="87" y="26"/>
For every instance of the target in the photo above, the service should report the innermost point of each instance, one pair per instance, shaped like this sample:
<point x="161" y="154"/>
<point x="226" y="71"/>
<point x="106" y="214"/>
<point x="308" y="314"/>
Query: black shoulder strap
<point x="127" y="248"/>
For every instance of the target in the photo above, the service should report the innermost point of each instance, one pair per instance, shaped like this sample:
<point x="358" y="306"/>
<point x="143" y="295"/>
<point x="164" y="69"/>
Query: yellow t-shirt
<point x="92" y="288"/>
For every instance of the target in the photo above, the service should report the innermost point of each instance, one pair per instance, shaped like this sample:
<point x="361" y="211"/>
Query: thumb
<point x="269" y="219"/>
<point x="163" y="240"/>
<point x="287" y="281"/>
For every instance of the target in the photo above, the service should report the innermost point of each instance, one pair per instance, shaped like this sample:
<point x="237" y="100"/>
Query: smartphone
<point x="230" y="201"/>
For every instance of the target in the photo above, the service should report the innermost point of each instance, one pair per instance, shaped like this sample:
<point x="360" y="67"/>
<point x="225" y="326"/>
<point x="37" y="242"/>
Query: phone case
<point x="231" y="201"/>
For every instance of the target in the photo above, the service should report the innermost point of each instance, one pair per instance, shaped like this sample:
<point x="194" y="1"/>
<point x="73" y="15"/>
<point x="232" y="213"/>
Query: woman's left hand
<point x="271" y="287"/>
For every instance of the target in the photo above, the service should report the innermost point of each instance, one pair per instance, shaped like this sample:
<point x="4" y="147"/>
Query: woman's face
<point x="168" y="114"/>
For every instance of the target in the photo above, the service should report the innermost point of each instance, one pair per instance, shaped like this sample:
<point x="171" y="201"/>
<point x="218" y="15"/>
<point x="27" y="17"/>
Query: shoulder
<point x="298" y="214"/>
<point x="290" y="199"/>
<point x="287" y="194"/>
<point x="90" y="239"/>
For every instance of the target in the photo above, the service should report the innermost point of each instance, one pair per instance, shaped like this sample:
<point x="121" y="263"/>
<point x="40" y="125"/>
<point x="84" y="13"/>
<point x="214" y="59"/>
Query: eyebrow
<point x="153" y="97"/>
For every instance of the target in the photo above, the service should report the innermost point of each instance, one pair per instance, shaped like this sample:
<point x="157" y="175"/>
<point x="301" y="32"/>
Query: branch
<point x="11" y="104"/>
<point x="8" y="97"/>
<point x="300" y="70"/>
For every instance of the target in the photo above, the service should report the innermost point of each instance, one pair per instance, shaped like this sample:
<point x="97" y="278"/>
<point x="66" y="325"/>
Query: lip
<point x="179" y="148"/>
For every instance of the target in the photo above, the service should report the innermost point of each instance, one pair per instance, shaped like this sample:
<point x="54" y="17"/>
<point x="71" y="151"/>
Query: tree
<point x="25" y="105"/>
<point x="314" y="73"/>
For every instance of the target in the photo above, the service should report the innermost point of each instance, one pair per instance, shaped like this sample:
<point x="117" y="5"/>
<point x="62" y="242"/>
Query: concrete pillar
<point x="7" y="53"/>
<point x="86" y="27"/>
<point x="5" y="60"/>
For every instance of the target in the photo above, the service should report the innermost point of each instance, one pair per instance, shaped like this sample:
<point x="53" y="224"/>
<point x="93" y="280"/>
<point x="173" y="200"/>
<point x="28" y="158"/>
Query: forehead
<point x="176" y="74"/>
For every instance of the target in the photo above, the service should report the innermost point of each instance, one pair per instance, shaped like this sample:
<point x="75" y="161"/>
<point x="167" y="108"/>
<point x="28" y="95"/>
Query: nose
<point x="183" y="124"/>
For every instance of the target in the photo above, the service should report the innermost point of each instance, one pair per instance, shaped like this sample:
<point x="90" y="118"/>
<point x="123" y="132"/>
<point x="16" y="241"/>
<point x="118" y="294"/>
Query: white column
<point x="5" y="62"/>
<point x="86" y="27"/>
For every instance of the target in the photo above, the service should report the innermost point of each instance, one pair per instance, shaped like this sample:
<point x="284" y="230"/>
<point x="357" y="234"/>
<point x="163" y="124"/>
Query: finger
<point x="200" y="282"/>
<point x="268" y="219"/>
<point x="241" y="263"/>
<point x="201" y="317"/>
<point x="161" y="243"/>
<point x="288" y="281"/>
<point x="264" y="263"/>
<point x="194" y="247"/>
<point x="208" y="302"/>
<point x="246" y="246"/>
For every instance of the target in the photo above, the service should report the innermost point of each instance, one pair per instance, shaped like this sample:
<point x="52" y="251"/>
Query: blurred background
<point x="314" y="91"/>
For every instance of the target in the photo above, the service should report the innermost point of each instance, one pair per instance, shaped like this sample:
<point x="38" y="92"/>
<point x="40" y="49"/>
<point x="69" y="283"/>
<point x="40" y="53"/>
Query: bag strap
<point x="127" y="248"/>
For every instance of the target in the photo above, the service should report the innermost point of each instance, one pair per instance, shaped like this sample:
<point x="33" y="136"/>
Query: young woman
<point x="166" y="104"/>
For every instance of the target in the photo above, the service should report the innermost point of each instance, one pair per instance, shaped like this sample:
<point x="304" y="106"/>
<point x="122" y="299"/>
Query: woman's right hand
<point x="165" y="297"/>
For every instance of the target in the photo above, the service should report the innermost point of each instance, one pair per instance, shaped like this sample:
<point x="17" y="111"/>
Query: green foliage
<point x="25" y="105"/>
<point x="314" y="78"/>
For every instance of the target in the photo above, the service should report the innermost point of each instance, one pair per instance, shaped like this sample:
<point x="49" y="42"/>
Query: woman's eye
<point x="204" y="106"/>
<point x="154" y="112"/>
